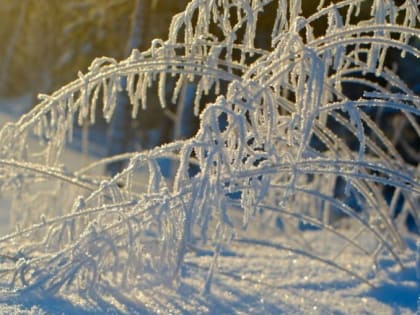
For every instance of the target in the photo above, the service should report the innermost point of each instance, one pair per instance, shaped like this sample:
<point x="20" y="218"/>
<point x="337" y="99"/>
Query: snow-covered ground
<point x="257" y="274"/>
<point x="252" y="279"/>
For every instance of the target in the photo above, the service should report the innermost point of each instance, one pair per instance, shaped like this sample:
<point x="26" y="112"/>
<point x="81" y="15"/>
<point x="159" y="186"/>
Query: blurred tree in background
<point x="44" y="43"/>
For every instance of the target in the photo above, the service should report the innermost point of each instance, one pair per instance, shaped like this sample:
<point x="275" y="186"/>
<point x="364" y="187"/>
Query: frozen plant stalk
<point x="281" y="127"/>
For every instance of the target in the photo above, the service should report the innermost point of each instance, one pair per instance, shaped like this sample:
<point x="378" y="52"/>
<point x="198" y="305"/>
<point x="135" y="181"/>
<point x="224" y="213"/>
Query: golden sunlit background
<point x="44" y="43"/>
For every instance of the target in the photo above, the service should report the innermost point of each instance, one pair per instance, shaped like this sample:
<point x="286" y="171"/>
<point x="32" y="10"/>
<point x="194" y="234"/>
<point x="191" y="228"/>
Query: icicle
<point x="110" y="90"/>
<point x="137" y="95"/>
<point x="356" y="120"/>
<point x="83" y="99"/>
<point x="178" y="87"/>
<point x="379" y="13"/>
<point x="146" y="82"/>
<point x="162" y="89"/>
<point x="93" y="103"/>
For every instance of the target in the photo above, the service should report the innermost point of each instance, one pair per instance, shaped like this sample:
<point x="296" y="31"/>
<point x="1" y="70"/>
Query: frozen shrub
<point x="278" y="142"/>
